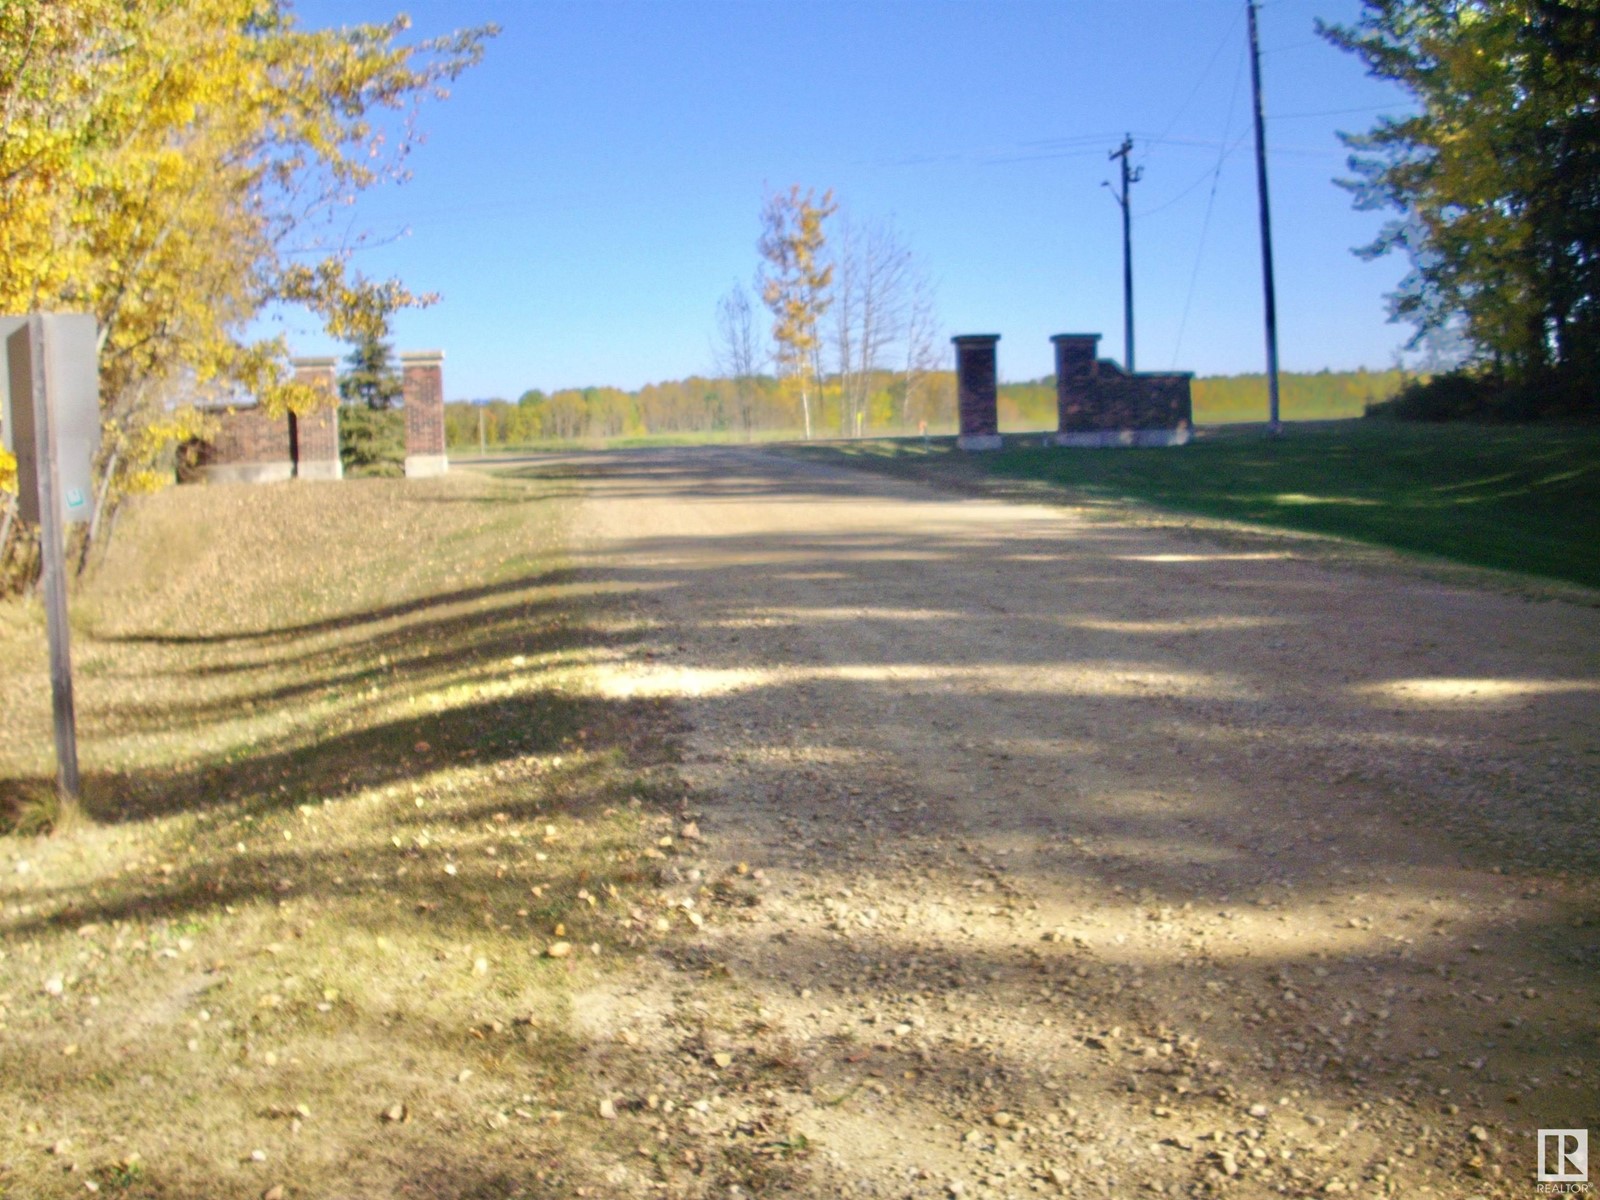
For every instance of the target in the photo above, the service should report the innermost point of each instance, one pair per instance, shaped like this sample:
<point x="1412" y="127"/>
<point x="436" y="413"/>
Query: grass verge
<point x="1519" y="499"/>
<point x="357" y="833"/>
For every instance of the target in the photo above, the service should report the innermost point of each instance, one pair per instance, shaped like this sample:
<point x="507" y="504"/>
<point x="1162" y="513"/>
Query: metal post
<point x="53" y="576"/>
<point x="1274" y="426"/>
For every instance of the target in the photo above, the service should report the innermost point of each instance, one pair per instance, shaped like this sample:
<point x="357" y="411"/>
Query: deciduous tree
<point x="795" y="280"/>
<point x="882" y="318"/>
<point x="169" y="167"/>
<point x="1495" y="178"/>
<point x="738" y="354"/>
<point x="921" y="344"/>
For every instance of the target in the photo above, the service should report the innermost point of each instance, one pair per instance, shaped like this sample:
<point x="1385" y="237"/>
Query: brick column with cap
<point x="314" y="436"/>
<point x="1077" y="360"/>
<point x="976" y="383"/>
<point x="422" y="372"/>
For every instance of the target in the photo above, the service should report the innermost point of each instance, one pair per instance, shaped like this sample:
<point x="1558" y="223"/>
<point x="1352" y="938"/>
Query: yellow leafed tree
<point x="795" y="284"/>
<point x="156" y="159"/>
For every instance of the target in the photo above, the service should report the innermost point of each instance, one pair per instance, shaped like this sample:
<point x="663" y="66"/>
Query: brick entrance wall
<point x="251" y="447"/>
<point x="1100" y="404"/>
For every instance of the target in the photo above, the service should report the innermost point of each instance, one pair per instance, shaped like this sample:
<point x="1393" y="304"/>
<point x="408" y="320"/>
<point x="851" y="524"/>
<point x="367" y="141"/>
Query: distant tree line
<point x="733" y="408"/>
<point x="718" y="408"/>
<point x="1316" y="396"/>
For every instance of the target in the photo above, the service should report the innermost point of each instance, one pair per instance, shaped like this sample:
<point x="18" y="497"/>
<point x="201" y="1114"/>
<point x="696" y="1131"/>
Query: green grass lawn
<point x="1514" y="498"/>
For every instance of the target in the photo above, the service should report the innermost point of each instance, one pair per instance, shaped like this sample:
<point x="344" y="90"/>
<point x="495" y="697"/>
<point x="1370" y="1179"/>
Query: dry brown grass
<point x="346" y="788"/>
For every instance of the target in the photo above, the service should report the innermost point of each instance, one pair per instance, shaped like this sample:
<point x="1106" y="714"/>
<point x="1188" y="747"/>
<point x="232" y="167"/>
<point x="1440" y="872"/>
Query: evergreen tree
<point x="372" y="378"/>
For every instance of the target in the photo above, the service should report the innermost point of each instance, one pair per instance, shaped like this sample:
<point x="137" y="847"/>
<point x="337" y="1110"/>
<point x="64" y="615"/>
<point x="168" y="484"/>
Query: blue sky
<point x="591" y="189"/>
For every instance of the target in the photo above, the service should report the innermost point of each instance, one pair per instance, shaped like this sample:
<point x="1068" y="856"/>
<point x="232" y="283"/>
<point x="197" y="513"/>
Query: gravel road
<point x="1041" y="852"/>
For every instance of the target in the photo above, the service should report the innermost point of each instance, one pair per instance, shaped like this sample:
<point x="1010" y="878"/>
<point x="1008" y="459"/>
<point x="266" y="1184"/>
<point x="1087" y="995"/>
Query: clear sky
<point x="591" y="189"/>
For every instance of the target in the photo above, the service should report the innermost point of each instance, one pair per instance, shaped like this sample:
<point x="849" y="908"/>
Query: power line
<point x="1211" y="200"/>
<point x="1209" y="173"/>
<point x="1332" y="112"/>
<point x="1227" y="36"/>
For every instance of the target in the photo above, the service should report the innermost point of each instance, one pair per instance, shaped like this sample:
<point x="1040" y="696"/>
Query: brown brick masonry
<point x="314" y="436"/>
<point x="423" y="376"/>
<point x="1100" y="404"/>
<point x="251" y="447"/>
<point x="976" y="391"/>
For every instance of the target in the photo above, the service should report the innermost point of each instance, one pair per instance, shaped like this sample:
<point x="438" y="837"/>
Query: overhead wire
<point x="1208" y="173"/>
<point x="1205" y="224"/>
<point x="1205" y="74"/>
<point x="1332" y="112"/>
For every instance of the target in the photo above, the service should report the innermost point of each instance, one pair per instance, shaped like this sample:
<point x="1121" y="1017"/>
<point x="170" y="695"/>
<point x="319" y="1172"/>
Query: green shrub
<point x="1482" y="397"/>
<point x="372" y="441"/>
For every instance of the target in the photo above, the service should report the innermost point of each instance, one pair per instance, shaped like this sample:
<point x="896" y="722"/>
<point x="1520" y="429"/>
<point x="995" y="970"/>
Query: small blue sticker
<point x="76" y="498"/>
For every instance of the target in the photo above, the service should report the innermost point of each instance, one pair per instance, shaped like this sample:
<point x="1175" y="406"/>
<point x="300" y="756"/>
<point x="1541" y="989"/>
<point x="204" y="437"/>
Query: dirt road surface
<point x="1042" y="854"/>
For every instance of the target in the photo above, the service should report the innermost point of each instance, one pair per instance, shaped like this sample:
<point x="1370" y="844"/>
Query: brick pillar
<point x="1077" y="361"/>
<point x="423" y="375"/>
<point x="314" y="436"/>
<point x="976" y="399"/>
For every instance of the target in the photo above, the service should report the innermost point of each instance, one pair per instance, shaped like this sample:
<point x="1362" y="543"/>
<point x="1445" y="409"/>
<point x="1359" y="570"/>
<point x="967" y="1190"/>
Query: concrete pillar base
<point x="424" y="466"/>
<point x="979" y="441"/>
<point x="322" y="469"/>
<point x="267" y="472"/>
<point x="1107" y="438"/>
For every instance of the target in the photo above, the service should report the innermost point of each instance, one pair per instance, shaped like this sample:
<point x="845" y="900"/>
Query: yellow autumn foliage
<point x="156" y="159"/>
<point x="795" y="280"/>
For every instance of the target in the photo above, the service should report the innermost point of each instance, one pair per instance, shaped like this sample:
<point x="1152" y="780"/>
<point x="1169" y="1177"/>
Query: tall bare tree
<point x="882" y="304"/>
<point x="923" y="352"/>
<point x="738" y="354"/>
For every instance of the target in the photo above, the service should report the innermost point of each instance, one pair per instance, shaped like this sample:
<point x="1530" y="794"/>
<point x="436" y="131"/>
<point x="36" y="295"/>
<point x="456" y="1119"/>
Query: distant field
<point x="1024" y="407"/>
<point x="1228" y="399"/>
<point x="1512" y="498"/>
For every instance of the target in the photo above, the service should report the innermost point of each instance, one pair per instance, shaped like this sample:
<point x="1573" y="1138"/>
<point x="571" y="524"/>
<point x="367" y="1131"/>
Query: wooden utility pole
<point x="1130" y="175"/>
<point x="1274" y="426"/>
